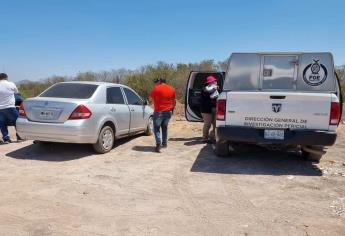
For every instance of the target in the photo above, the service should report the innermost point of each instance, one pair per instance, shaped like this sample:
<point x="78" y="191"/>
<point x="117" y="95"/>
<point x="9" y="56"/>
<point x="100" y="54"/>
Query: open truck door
<point x="195" y="84"/>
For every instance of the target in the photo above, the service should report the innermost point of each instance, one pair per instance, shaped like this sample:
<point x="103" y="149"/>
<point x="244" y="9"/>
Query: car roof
<point x="95" y="83"/>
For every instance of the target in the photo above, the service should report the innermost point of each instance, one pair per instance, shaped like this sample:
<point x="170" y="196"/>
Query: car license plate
<point x="274" y="134"/>
<point x="47" y="114"/>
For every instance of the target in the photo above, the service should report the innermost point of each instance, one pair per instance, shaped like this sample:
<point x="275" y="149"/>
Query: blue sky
<point x="39" y="39"/>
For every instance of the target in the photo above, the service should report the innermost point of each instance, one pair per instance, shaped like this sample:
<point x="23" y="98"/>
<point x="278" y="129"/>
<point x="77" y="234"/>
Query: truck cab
<point x="280" y="100"/>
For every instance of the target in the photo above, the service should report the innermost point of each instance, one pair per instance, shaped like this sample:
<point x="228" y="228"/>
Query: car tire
<point x="105" y="140"/>
<point x="222" y="148"/>
<point x="149" y="128"/>
<point x="313" y="156"/>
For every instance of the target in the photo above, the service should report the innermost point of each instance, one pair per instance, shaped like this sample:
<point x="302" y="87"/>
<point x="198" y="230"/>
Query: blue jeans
<point x="161" y="121"/>
<point x="8" y="117"/>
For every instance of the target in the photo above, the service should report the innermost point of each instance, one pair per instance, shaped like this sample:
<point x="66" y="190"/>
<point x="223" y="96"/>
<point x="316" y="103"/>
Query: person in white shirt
<point x="8" y="111"/>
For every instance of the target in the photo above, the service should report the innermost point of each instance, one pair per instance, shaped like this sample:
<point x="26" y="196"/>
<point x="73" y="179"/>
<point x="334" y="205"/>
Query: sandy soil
<point x="65" y="189"/>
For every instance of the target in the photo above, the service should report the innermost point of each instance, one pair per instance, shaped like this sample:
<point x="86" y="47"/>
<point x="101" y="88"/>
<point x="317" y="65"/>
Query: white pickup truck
<point x="276" y="100"/>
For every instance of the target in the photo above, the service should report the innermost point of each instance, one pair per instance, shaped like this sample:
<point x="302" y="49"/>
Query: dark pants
<point x="161" y="121"/>
<point x="8" y="117"/>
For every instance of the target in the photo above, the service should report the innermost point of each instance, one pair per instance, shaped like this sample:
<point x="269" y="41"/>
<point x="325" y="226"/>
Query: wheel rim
<point x="107" y="139"/>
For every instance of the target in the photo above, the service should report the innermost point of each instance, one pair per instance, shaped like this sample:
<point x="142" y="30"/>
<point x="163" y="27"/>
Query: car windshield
<point x="70" y="90"/>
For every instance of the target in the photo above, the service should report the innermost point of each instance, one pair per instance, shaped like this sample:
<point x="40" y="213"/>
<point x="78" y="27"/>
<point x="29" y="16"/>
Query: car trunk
<point x="278" y="110"/>
<point x="50" y="110"/>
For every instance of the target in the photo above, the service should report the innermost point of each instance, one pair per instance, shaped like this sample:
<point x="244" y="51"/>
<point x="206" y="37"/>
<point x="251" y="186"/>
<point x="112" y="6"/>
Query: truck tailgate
<point x="278" y="110"/>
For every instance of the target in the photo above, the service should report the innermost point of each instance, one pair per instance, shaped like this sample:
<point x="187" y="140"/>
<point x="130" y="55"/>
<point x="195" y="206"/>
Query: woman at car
<point x="209" y="97"/>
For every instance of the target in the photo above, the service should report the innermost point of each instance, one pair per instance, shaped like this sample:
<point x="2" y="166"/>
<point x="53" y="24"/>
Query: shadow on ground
<point x="254" y="162"/>
<point x="59" y="151"/>
<point x="188" y="141"/>
<point x="52" y="152"/>
<point x="144" y="148"/>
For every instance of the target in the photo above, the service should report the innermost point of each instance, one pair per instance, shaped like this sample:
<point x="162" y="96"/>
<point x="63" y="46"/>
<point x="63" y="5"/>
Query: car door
<point x="194" y="88"/>
<point x="137" y="110"/>
<point x="118" y="109"/>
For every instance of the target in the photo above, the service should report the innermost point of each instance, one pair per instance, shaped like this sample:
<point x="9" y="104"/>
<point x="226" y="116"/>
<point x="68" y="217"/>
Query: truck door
<point x="195" y="85"/>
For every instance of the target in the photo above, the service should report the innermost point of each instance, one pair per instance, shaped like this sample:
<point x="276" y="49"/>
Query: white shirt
<point x="7" y="91"/>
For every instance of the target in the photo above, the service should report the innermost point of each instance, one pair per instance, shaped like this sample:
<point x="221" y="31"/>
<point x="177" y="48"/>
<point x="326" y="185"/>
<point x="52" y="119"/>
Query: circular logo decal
<point x="315" y="73"/>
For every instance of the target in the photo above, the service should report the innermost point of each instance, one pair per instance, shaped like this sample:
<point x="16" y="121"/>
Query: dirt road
<point x="64" y="189"/>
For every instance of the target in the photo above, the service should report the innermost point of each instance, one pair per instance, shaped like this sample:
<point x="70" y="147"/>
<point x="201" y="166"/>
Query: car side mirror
<point x="145" y="102"/>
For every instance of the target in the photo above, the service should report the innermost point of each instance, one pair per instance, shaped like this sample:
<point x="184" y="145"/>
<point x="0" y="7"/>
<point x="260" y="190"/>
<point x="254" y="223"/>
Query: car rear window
<point x="70" y="90"/>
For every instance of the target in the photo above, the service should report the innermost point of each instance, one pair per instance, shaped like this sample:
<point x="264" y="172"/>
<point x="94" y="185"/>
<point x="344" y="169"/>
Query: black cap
<point x="160" y="80"/>
<point x="3" y="76"/>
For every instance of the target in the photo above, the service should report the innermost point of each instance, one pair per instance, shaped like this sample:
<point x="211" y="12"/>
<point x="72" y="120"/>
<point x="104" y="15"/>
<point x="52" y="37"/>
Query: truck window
<point x="278" y="72"/>
<point x="243" y="72"/>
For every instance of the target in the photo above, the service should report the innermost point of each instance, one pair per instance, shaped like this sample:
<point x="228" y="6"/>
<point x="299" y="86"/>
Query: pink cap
<point x="210" y="79"/>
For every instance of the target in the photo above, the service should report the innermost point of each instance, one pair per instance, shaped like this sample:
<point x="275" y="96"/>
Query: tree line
<point x="142" y="79"/>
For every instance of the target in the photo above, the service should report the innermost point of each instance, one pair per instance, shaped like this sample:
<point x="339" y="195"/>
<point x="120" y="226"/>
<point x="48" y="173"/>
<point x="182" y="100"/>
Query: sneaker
<point x="7" y="141"/>
<point x="164" y="145"/>
<point x="158" y="148"/>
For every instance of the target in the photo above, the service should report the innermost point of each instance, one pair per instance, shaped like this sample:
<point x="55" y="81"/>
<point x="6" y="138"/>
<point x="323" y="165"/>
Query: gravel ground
<point x="65" y="189"/>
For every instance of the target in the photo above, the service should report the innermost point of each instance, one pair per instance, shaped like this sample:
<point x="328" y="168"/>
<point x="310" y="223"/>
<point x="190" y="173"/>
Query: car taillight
<point x="22" y="111"/>
<point x="335" y="113"/>
<point x="81" y="112"/>
<point x="221" y="109"/>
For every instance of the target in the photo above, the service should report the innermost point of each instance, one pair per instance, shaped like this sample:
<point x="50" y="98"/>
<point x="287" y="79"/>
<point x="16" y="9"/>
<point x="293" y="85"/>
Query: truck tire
<point x="222" y="148"/>
<point x="313" y="153"/>
<point x="105" y="140"/>
<point x="149" y="128"/>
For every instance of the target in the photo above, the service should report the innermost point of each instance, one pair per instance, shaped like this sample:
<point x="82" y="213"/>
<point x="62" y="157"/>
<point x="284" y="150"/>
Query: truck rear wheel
<point x="222" y="148"/>
<point x="313" y="153"/>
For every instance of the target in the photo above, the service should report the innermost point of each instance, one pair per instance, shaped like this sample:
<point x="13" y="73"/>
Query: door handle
<point x="277" y="97"/>
<point x="112" y="109"/>
<point x="132" y="109"/>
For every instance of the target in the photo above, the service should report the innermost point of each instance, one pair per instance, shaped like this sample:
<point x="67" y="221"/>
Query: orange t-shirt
<point x="163" y="96"/>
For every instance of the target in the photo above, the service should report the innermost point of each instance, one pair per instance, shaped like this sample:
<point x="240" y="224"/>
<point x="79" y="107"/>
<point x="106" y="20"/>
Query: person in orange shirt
<point x="163" y="96"/>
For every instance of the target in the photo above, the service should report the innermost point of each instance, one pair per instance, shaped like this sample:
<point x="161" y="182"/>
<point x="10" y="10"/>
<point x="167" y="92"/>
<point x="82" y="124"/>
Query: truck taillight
<point x="335" y="113"/>
<point x="22" y="113"/>
<point x="81" y="112"/>
<point x="221" y="109"/>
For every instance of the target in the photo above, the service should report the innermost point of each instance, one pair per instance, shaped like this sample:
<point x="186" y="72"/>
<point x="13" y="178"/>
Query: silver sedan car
<point x="85" y="112"/>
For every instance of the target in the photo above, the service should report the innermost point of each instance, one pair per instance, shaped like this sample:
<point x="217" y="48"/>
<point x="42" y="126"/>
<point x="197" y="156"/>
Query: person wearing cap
<point x="163" y="96"/>
<point x="8" y="111"/>
<point x="209" y="97"/>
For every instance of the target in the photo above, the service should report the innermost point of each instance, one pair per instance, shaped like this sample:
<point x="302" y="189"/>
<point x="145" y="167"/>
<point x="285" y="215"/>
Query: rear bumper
<point x="291" y="137"/>
<point x="74" y="131"/>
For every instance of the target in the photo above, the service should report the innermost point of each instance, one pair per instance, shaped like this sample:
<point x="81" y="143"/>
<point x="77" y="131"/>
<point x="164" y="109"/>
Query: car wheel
<point x="313" y="153"/>
<point x="105" y="140"/>
<point x="222" y="148"/>
<point x="149" y="129"/>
